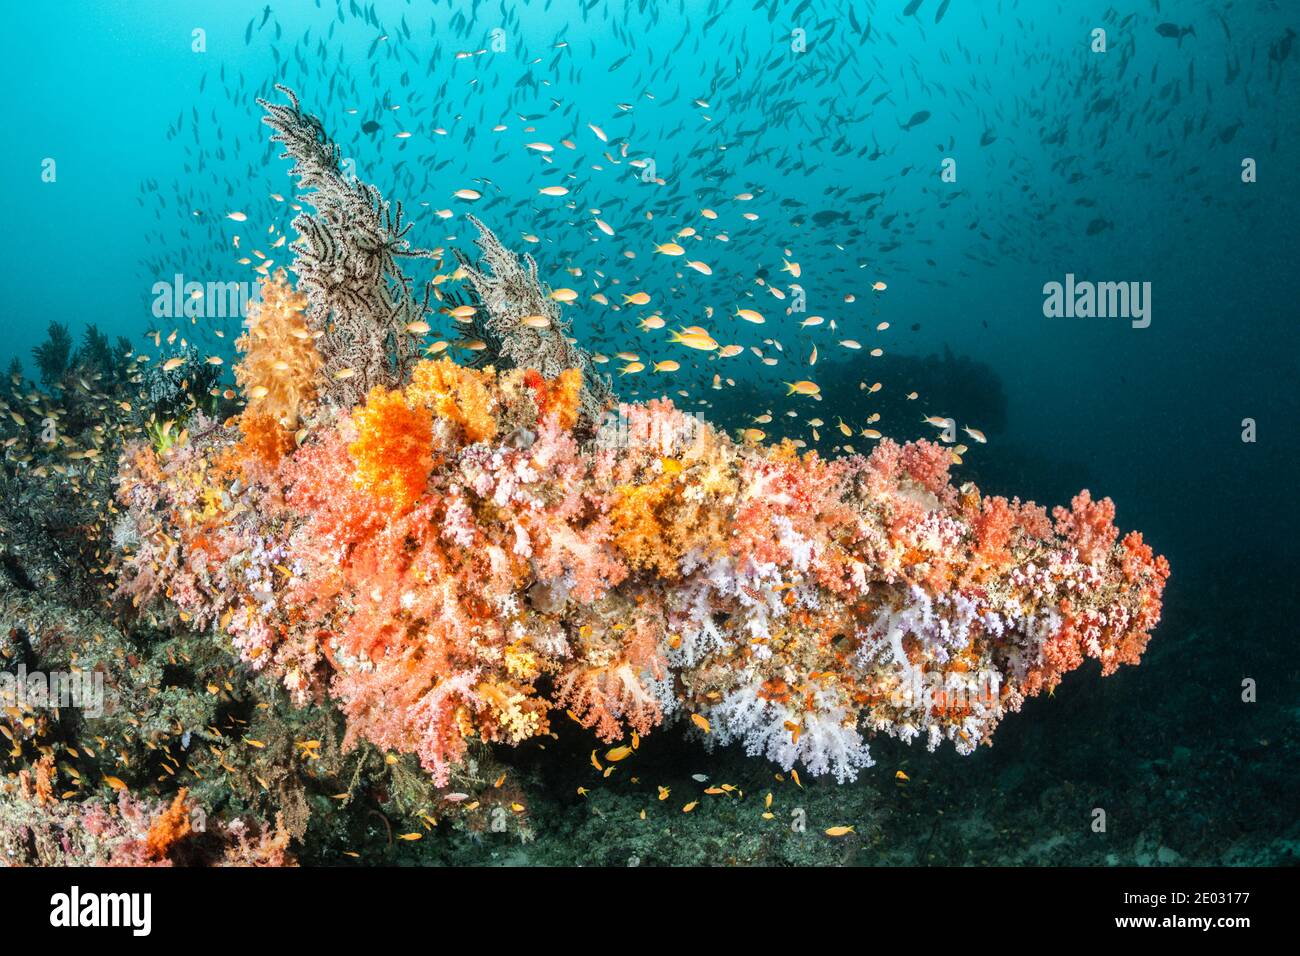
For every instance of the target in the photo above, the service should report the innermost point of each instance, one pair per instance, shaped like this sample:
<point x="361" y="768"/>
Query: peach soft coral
<point x="280" y="368"/>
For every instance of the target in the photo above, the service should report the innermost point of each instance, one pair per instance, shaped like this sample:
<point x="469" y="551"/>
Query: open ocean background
<point x="155" y="143"/>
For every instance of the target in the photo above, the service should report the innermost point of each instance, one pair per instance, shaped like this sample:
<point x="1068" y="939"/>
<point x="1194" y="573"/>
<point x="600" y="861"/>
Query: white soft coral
<point x="826" y="742"/>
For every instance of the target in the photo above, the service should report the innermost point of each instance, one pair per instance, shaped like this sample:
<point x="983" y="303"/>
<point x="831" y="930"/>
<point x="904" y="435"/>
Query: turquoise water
<point x="1116" y="166"/>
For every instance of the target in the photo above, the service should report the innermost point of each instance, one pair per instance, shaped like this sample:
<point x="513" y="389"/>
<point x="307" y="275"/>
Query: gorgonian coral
<point x="451" y="564"/>
<point x="357" y="299"/>
<point x="509" y="290"/>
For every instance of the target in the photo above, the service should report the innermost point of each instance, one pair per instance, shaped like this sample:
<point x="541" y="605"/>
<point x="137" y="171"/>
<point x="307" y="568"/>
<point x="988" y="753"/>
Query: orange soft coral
<point x="169" y="828"/>
<point x="279" y="370"/>
<point x="609" y="700"/>
<point x="457" y="394"/>
<point x="393" y="452"/>
<point x="265" y="441"/>
<point x="557" y="397"/>
<point x="642" y="530"/>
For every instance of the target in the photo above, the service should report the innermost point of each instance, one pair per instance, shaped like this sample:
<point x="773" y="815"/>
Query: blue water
<point x="156" y="143"/>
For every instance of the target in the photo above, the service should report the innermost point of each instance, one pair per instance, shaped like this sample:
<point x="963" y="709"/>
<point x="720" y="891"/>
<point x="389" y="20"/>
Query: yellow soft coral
<point x="281" y="363"/>
<point x="460" y="395"/>
<point x="513" y="713"/>
<point x="657" y="523"/>
<point x="393" y="452"/>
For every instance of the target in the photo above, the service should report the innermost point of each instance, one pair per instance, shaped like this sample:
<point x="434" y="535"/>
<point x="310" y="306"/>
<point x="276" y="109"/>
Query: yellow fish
<point x="694" y="339"/>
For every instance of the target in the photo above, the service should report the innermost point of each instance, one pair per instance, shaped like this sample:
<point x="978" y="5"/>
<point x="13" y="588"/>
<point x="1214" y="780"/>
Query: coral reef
<point x="452" y="566"/>
<point x="325" y="610"/>
<point x="468" y="551"/>
<point x="39" y="830"/>
<point x="58" y="452"/>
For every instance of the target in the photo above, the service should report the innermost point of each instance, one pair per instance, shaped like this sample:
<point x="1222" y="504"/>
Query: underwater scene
<point x="633" y="434"/>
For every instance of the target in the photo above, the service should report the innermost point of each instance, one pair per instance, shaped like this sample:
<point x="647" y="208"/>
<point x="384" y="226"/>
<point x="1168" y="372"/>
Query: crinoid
<point x="358" y="298"/>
